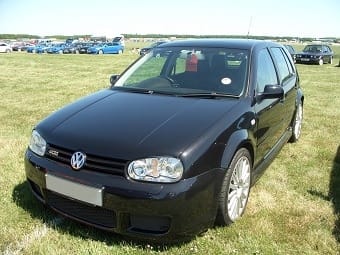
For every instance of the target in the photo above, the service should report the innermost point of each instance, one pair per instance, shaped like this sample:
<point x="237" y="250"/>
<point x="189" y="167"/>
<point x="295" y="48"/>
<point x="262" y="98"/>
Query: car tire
<point x="235" y="189"/>
<point x="100" y="52"/>
<point x="320" y="62"/>
<point x="297" y="124"/>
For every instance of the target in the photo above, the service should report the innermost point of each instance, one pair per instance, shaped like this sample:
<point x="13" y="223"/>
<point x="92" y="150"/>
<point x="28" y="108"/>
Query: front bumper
<point x="153" y="211"/>
<point x="308" y="60"/>
<point x="92" y="51"/>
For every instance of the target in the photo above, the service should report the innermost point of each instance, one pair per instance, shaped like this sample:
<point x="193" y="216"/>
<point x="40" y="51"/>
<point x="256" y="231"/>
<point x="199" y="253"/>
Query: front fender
<point x="240" y="138"/>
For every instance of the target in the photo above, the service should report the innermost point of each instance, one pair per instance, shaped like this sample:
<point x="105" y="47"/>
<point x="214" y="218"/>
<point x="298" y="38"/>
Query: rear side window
<point x="266" y="74"/>
<point x="282" y="67"/>
<point x="289" y="62"/>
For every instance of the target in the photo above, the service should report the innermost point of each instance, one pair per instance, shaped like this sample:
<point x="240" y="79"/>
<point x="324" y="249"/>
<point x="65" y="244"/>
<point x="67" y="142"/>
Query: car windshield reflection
<point x="312" y="49"/>
<point x="183" y="71"/>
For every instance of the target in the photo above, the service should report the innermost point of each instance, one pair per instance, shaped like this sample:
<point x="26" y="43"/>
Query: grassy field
<point x="293" y="209"/>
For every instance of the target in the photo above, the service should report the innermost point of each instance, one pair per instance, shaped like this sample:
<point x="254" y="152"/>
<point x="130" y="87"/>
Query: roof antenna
<point x="251" y="17"/>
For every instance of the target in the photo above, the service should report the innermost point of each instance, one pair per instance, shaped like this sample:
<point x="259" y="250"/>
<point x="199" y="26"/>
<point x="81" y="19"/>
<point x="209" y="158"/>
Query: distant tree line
<point x="207" y="36"/>
<point x="28" y="36"/>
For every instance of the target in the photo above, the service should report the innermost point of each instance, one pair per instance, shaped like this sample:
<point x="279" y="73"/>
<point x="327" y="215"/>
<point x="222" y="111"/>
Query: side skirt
<point x="270" y="156"/>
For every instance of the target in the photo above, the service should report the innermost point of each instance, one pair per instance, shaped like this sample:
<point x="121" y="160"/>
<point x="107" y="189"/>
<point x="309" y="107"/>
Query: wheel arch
<point x="239" y="139"/>
<point x="300" y="98"/>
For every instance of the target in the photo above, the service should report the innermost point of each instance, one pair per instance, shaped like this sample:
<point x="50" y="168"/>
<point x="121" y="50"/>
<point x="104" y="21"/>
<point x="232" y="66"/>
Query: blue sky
<point x="297" y="18"/>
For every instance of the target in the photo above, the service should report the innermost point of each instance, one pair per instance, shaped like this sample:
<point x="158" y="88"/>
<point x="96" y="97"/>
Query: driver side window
<point x="266" y="74"/>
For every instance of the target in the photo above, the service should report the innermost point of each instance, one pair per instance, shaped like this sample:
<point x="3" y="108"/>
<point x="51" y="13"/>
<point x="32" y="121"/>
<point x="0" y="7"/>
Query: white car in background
<point x="4" y="47"/>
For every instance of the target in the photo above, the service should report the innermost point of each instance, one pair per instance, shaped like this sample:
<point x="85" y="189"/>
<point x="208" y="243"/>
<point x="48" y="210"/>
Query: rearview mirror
<point x="270" y="92"/>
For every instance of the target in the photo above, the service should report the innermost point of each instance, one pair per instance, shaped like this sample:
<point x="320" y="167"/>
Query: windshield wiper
<point x="150" y="92"/>
<point x="133" y="90"/>
<point x="207" y="95"/>
<point x="142" y="91"/>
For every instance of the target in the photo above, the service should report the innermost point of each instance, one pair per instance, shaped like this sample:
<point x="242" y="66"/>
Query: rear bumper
<point x="136" y="209"/>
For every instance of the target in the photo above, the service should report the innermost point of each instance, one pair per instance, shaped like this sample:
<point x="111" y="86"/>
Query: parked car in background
<point x="39" y="48"/>
<point x="145" y="50"/>
<point x="30" y="48"/>
<point x="84" y="46"/>
<point x="72" y="48"/>
<point x="175" y="144"/>
<point x="21" y="46"/>
<point x="315" y="54"/>
<point x="56" y="48"/>
<point x="5" y="47"/>
<point x="291" y="51"/>
<point x="106" y="48"/>
<point x="119" y="39"/>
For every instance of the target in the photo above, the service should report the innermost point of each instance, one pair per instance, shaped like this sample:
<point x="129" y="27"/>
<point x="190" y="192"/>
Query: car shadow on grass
<point x="334" y="193"/>
<point x="24" y="198"/>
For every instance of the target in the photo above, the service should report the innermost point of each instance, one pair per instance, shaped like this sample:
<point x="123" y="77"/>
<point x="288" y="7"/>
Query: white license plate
<point x="305" y="59"/>
<point x="74" y="190"/>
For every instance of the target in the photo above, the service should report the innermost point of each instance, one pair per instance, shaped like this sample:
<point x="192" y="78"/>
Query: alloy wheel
<point x="239" y="188"/>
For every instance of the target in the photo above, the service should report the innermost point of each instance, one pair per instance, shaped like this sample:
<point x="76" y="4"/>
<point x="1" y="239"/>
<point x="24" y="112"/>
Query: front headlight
<point x="157" y="169"/>
<point x="37" y="143"/>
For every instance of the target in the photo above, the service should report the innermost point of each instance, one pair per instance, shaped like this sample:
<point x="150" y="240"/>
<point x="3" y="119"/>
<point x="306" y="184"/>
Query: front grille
<point x="93" y="163"/>
<point x="91" y="214"/>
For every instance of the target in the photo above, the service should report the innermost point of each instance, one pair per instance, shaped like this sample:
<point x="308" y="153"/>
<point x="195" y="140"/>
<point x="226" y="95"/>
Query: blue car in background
<point x="30" y="49"/>
<point x="106" y="48"/>
<point x="39" y="48"/>
<point x="56" y="48"/>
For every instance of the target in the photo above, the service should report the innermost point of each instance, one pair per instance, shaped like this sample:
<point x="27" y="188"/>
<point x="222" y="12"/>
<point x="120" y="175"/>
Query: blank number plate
<point x="74" y="190"/>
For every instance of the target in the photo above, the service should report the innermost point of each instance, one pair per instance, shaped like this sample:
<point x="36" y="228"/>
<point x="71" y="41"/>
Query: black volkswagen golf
<point x="175" y="144"/>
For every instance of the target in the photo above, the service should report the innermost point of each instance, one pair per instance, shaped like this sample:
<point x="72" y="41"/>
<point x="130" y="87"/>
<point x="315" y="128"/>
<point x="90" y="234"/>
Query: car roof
<point x="220" y="43"/>
<point x="317" y="44"/>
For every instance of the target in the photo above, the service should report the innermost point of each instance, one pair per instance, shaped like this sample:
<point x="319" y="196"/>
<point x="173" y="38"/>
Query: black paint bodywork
<point x="204" y="133"/>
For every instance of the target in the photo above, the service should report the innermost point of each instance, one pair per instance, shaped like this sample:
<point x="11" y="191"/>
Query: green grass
<point x="293" y="209"/>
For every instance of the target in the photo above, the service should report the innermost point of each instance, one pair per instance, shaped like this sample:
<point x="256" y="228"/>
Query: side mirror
<point x="113" y="79"/>
<point x="270" y="92"/>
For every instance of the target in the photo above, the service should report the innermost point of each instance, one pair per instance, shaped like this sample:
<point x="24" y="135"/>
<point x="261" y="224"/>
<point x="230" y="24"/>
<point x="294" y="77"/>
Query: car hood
<point x="309" y="53"/>
<point x="131" y="125"/>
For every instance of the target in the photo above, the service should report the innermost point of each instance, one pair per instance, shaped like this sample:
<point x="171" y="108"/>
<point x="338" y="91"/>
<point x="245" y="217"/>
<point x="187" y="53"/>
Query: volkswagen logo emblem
<point x="78" y="160"/>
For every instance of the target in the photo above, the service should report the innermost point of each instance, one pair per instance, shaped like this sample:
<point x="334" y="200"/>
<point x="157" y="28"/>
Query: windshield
<point x="313" y="48"/>
<point x="185" y="71"/>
